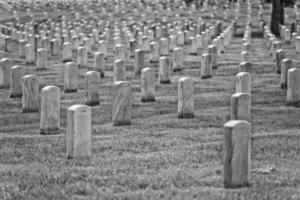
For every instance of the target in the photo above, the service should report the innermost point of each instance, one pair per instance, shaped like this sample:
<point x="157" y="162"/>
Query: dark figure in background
<point x="277" y="16"/>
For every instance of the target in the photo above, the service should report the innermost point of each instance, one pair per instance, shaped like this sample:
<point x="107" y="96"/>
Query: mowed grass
<point x="159" y="156"/>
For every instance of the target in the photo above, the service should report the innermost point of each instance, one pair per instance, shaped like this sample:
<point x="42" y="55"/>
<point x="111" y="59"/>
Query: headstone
<point x="54" y="47"/>
<point x="22" y="49"/>
<point x="245" y="56"/>
<point x="71" y="77"/>
<point x="29" y="54"/>
<point x="139" y="61"/>
<point x="50" y="110"/>
<point x="297" y="44"/>
<point x="185" y="97"/>
<point x="243" y="83"/>
<point x="92" y="88"/>
<point x="178" y="57"/>
<point x="67" y="52"/>
<point x="16" y="75"/>
<point x="79" y="131"/>
<point x="241" y="106"/>
<point x="30" y="93"/>
<point x="82" y="56"/>
<point x="148" y="85"/>
<point x="245" y="67"/>
<point x="119" y="70"/>
<point x="120" y="52"/>
<point x="280" y="55"/>
<point x="154" y="52"/>
<point x="132" y="47"/>
<point x="5" y="66"/>
<point x="213" y="51"/>
<point x="99" y="63"/>
<point x="293" y="89"/>
<point x="122" y="103"/>
<point x="164" y="46"/>
<point x="206" y="66"/>
<point x="165" y="70"/>
<point x="41" y="62"/>
<point x="237" y="153"/>
<point x="286" y="64"/>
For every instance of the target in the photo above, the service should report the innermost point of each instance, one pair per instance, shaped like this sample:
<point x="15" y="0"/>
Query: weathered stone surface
<point x="178" y="58"/>
<point x="241" y="106"/>
<point x="245" y="67"/>
<point x="237" y="153"/>
<point x="148" y="85"/>
<point x="122" y="103"/>
<point x="280" y="55"/>
<point x="286" y="64"/>
<point x="119" y="70"/>
<point x="41" y="63"/>
<point x="139" y="61"/>
<point x="92" y="88"/>
<point x="165" y="70"/>
<point x="206" y="66"/>
<point x="79" y="131"/>
<point x="243" y="83"/>
<point x="185" y="97"/>
<point x="82" y="56"/>
<point x="67" y="52"/>
<point x="5" y="66"/>
<point x="16" y="75"/>
<point x="30" y="93"/>
<point x="293" y="87"/>
<point x="99" y="63"/>
<point x="50" y="110"/>
<point x="71" y="77"/>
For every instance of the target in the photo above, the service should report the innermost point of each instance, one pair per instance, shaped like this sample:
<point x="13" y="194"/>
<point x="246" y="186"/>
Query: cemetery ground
<point x="159" y="156"/>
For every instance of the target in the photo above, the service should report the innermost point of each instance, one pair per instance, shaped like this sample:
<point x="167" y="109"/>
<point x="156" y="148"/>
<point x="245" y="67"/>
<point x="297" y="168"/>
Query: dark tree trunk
<point x="277" y="16"/>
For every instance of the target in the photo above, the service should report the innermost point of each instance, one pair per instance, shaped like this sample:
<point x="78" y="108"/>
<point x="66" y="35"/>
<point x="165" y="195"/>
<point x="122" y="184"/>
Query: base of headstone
<point x="15" y="96"/>
<point x="102" y="74"/>
<point x="193" y="54"/>
<point x="165" y="82"/>
<point x="185" y="115"/>
<point x="294" y="103"/>
<point x="4" y="86"/>
<point x="206" y="77"/>
<point x="70" y="91"/>
<point x="283" y="86"/>
<point x="50" y="132"/>
<point x="123" y="123"/>
<point x="83" y="66"/>
<point x="27" y="110"/>
<point x="41" y="69"/>
<point x="67" y="60"/>
<point x="177" y="70"/>
<point x="148" y="99"/>
<point x="152" y="61"/>
<point x="93" y="103"/>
